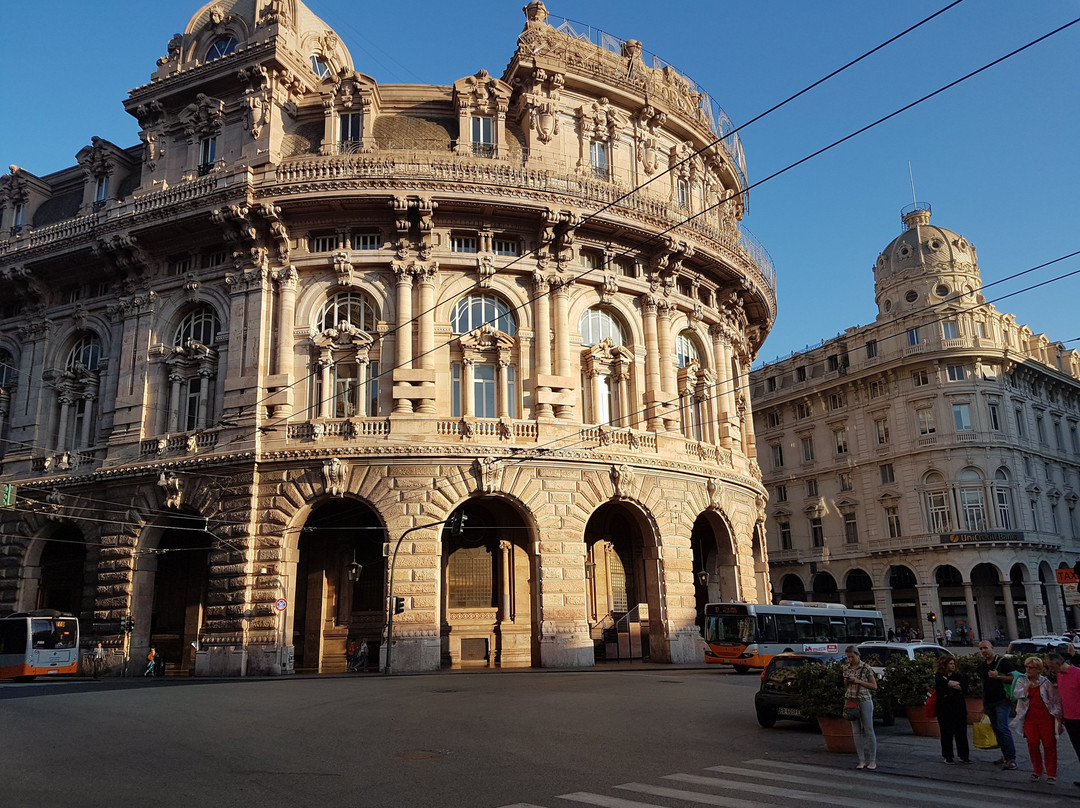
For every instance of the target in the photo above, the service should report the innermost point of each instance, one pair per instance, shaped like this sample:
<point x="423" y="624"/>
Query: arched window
<point x="939" y="515"/>
<point x="222" y="47"/>
<point x="476" y="310"/>
<point x="597" y="324"/>
<point x="200" y="324"/>
<point x="972" y="504"/>
<point x="354" y="308"/>
<point x="320" y="66"/>
<point x="8" y="371"/>
<point x="86" y="352"/>
<point x="347" y="376"/>
<point x="1003" y="499"/>
<point x="685" y="349"/>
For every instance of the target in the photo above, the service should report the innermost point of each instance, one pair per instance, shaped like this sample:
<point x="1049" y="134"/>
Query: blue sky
<point x="996" y="157"/>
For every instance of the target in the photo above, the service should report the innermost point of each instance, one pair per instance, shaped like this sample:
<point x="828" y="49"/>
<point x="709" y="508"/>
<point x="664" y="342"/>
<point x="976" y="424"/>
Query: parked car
<point x="878" y="654"/>
<point x="1039" y="644"/>
<point x="778" y="695"/>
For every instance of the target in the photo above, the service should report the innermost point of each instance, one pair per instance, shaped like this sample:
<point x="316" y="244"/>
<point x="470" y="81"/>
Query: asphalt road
<point x="531" y="738"/>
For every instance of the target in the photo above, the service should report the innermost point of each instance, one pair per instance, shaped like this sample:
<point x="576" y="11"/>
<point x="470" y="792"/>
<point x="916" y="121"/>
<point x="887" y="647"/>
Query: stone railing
<point x="63" y="462"/>
<point x="183" y="443"/>
<point x="631" y="439"/>
<point x="338" y="429"/>
<point x="487" y="429"/>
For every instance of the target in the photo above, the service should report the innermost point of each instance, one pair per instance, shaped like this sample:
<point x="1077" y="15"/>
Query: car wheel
<point x="766" y="716"/>
<point x="743" y="669"/>
<point x="24" y="678"/>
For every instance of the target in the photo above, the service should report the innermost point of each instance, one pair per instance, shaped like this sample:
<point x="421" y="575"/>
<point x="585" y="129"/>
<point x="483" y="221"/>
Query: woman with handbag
<point x="950" y="690"/>
<point x="1038" y="717"/>
<point x="859" y="681"/>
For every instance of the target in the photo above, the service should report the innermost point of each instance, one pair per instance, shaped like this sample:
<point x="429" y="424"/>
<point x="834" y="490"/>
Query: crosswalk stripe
<point x="606" y="802"/>
<point x="522" y="805"/>
<point x="710" y="799"/>
<point x="898" y="786"/>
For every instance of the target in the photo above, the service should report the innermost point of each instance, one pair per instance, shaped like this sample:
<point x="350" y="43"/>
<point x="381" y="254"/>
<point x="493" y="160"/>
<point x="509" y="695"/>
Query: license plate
<point x="792" y="711"/>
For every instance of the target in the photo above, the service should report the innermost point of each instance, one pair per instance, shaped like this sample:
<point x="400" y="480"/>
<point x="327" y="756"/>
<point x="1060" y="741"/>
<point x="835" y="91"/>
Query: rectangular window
<point x="191" y="403"/>
<point x="1027" y="467"/>
<point x="101" y="192"/>
<point x="182" y="266"/>
<point x="373" y="388"/>
<point x="1034" y="514"/>
<point x="351" y="127"/>
<point x="938" y="505"/>
<point x="871" y="348"/>
<point x="833" y="362"/>
<point x="961" y="417"/>
<point x="971" y="506"/>
<point x="590" y="260"/>
<point x="846" y="482"/>
<point x="1058" y="443"/>
<point x="770" y="384"/>
<point x="950" y="329"/>
<point x="913" y="336"/>
<point x="682" y="192"/>
<point x="777" y="456"/>
<point x="73" y="294"/>
<point x="463" y="244"/>
<point x="1004" y="511"/>
<point x="807" y="445"/>
<point x="811" y="487"/>
<point x="215" y="259"/>
<point x="207" y="155"/>
<point x="955" y="372"/>
<point x="781" y="493"/>
<point x="1040" y="429"/>
<point x="925" y="420"/>
<point x="785" y="535"/>
<point x="1019" y="423"/>
<point x="800" y="373"/>
<point x="505" y="246"/>
<point x="919" y="378"/>
<point x="994" y="417"/>
<point x="802" y="410"/>
<point x="598" y="158"/>
<point x="483" y="137"/>
<point x="511" y="391"/>
<point x="888" y="475"/>
<point x="817" y="533"/>
<point x="851" y="529"/>
<point x="1074" y="437"/>
<point x="367" y="241"/>
<point x="774" y="419"/>
<point x="484" y="391"/>
<point x="881" y="431"/>
<point x="321" y="244"/>
<point x="892" y="521"/>
<point x="836" y="401"/>
<point x="455" y="389"/>
<point x="877" y="389"/>
<point x="840" y="436"/>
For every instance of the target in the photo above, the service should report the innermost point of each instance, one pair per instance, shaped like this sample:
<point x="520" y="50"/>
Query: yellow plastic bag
<point x="983" y="735"/>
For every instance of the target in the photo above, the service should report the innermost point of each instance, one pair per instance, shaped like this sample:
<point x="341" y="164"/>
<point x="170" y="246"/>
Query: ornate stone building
<point x="310" y="317"/>
<point x="929" y="462"/>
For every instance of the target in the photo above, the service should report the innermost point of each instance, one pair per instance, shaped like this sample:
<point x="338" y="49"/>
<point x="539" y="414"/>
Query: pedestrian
<point x="99" y="660"/>
<point x="1038" y="717"/>
<point x="362" y="662"/>
<point x="997" y="671"/>
<point x="150" y="664"/>
<point x="892" y="635"/>
<point x="948" y="637"/>
<point x="1068" y="685"/>
<point x="951" y="689"/>
<point x="860" y="681"/>
<point x="350" y="655"/>
<point x="999" y="638"/>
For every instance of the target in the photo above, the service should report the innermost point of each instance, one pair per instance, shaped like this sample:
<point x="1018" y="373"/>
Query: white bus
<point x="38" y="642"/>
<point x="748" y="635"/>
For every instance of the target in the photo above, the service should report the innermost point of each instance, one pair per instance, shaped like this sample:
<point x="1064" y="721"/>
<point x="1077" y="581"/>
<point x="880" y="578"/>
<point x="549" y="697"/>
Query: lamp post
<point x="457" y="523"/>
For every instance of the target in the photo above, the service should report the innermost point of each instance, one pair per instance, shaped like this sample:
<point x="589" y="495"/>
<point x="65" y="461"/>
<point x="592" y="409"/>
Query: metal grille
<point x="469" y="578"/>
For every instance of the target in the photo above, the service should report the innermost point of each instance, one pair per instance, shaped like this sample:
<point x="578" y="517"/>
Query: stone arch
<point x="716" y="562"/>
<point x="629" y="320"/>
<point x="987" y="586"/>
<point x="460" y="285"/>
<point x="58" y="570"/>
<point x="824" y="588"/>
<point x="792" y="587"/>
<point x="317" y="288"/>
<point x="903" y="584"/>
<point x="859" y="589"/>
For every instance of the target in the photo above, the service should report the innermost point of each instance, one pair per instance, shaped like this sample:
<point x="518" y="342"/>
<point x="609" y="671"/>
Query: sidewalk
<point x="902" y="753"/>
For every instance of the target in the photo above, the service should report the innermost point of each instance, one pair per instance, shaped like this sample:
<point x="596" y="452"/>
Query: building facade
<point x="254" y="361"/>
<point x="929" y="462"/>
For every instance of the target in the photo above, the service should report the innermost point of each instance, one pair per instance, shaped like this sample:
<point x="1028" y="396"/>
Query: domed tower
<point x="925" y="266"/>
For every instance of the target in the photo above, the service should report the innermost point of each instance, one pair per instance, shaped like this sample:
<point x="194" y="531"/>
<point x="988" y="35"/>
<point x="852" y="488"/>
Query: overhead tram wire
<point x="630" y="193"/>
<point x="775" y="174"/>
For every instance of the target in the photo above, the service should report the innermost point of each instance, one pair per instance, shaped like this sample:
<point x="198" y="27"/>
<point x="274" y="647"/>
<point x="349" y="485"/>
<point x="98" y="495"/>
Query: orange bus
<point x="39" y="642"/>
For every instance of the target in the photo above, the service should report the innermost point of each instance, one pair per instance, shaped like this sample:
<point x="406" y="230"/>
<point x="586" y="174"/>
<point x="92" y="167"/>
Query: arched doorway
<point x="905" y="600"/>
<point x="622" y="586"/>
<point x="825" y="589"/>
<point x="792" y="588"/>
<point x="340" y="585"/>
<point x="952" y="611"/>
<point x="488" y="575"/>
<point x="859" y="590"/>
<point x="62" y="572"/>
<point x="990" y="612"/>
<point x="180" y="567"/>
<point x="716" y="570"/>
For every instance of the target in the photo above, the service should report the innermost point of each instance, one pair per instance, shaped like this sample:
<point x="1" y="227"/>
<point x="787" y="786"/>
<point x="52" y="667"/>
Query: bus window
<point x="766" y="628"/>
<point x="42" y="631"/>
<point x="65" y="634"/>
<point x="837" y="630"/>
<point x="854" y="630"/>
<point x="785" y="628"/>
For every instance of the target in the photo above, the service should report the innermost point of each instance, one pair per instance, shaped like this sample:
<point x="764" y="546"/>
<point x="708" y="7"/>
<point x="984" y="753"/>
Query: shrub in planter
<point x="968" y="665"/>
<point x="821" y="689"/>
<point x="907" y="682"/>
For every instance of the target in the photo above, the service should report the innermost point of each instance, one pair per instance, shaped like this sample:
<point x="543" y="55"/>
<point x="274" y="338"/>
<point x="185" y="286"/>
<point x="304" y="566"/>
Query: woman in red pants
<point x="1038" y="716"/>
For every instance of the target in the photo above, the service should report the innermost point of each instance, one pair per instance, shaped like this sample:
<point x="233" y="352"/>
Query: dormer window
<point x="350" y="131"/>
<point x="101" y="193"/>
<point x="17" y="219"/>
<point x="598" y="159"/>
<point x="319" y="65"/>
<point x="207" y="155"/>
<point x="223" y="47"/>
<point x="483" y="137"/>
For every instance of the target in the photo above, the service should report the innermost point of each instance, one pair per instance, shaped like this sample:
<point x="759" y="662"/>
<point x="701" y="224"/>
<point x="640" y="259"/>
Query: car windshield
<point x="878" y="656"/>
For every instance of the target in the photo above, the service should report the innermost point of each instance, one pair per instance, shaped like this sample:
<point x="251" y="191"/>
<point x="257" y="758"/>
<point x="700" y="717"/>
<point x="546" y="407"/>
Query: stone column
<point x="506" y="560"/>
<point x="288" y="279"/>
<point x="326" y="362"/>
<point x="1010" y="611"/>
<point x="205" y="374"/>
<point x="403" y="331"/>
<point x="653" y="383"/>
<point x="65" y="414"/>
<point x="1033" y="590"/>
<point x="87" y="421"/>
<point x="666" y="355"/>
<point x="883" y="603"/>
<point x="972" y="619"/>
<point x="466" y="387"/>
<point x="562" y="343"/>
<point x="542" y="343"/>
<point x="502" y="385"/>
<point x="1056" y="606"/>
<point x="176" y="381"/>
<point x="426" y="280"/>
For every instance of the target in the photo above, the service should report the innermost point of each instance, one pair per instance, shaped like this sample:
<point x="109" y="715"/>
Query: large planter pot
<point x="974" y="709"/>
<point x="920" y="724"/>
<point x="838" y="734"/>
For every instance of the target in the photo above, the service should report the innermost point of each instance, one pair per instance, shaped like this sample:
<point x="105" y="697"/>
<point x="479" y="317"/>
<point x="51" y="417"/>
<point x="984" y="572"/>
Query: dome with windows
<point x="924" y="266"/>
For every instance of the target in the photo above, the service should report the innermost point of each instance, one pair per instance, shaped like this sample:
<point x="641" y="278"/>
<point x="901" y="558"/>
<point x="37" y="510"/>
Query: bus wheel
<point x="743" y="669"/>
<point x="24" y="678"/>
<point x="766" y="716"/>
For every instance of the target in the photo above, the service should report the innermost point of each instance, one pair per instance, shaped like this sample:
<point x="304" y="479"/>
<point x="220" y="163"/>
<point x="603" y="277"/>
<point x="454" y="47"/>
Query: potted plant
<point x="821" y="696"/>
<point x="907" y="683"/>
<point x="968" y="665"/>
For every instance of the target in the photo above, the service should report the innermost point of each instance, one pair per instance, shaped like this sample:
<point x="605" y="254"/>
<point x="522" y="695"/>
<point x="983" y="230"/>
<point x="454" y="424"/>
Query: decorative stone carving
<point x="335" y="476"/>
<point x="171" y="485"/>
<point x="622" y="478"/>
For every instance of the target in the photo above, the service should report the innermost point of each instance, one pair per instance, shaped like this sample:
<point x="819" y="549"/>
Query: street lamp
<point x="702" y="577"/>
<point x="457" y="524"/>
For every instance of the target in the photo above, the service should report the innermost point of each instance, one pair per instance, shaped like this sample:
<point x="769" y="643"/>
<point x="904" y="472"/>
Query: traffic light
<point x="127" y="624"/>
<point x="456" y="523"/>
<point x="931" y="617"/>
<point x="7" y="496"/>
<point x="399" y="605"/>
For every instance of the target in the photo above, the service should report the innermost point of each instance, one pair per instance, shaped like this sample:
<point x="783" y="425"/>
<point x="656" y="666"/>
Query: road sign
<point x="281" y="604"/>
